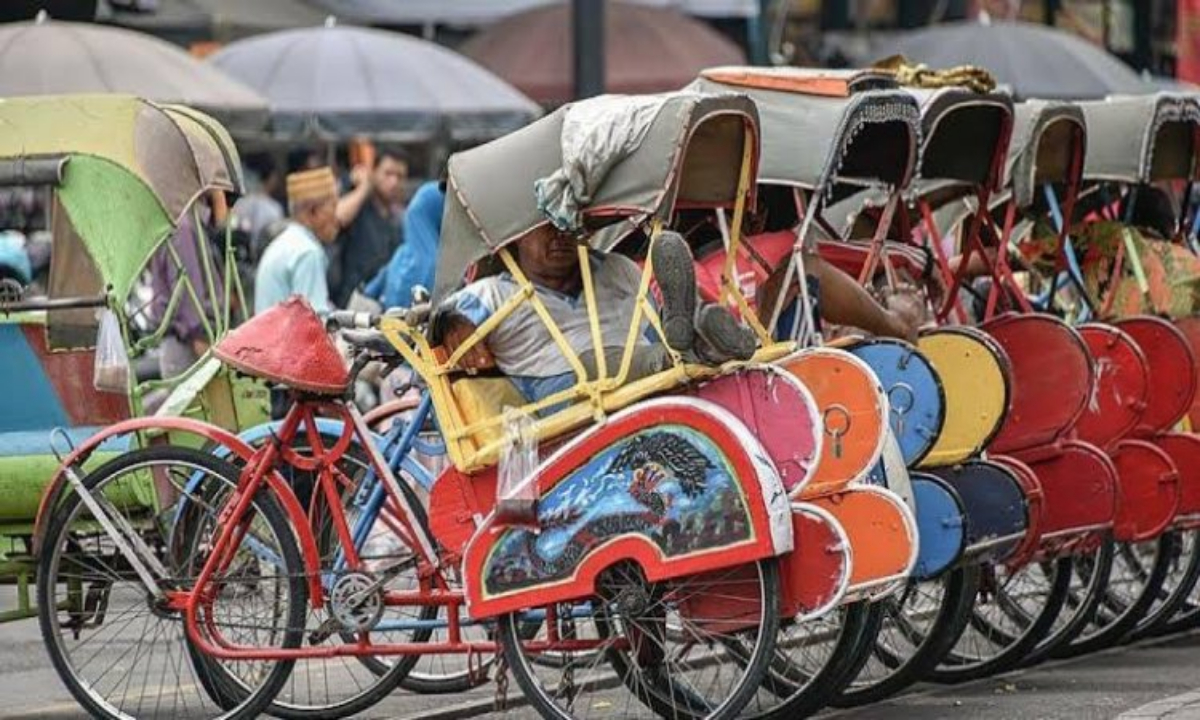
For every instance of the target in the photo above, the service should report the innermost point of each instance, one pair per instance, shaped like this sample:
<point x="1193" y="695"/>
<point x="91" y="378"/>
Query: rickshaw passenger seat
<point x="480" y="398"/>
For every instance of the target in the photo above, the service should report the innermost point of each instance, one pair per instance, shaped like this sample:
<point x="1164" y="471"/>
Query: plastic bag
<point x="111" y="371"/>
<point x="516" y="490"/>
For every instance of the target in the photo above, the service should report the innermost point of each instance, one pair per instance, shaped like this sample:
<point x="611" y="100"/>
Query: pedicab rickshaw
<point x="121" y="175"/>
<point x="654" y="486"/>
<point x="1025" y="597"/>
<point x="827" y="146"/>
<point x="1144" y="141"/>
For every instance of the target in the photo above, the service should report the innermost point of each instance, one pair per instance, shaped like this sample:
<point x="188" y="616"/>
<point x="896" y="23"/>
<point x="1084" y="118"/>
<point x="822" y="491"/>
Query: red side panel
<point x="1149" y="491"/>
<point x="1172" y="369"/>
<point x="817" y="573"/>
<point x="70" y="372"/>
<point x="1122" y="385"/>
<point x="1079" y="484"/>
<point x="1184" y="449"/>
<point x="1052" y="379"/>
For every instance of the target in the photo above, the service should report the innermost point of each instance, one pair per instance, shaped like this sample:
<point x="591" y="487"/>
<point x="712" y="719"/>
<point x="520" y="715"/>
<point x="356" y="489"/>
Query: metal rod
<point x="587" y="30"/>
<point x="49" y="304"/>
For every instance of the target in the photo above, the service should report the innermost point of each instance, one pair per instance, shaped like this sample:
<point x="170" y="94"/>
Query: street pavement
<point x="1146" y="681"/>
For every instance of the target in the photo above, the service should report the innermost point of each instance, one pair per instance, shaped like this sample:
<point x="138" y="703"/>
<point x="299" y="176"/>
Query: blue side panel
<point x="997" y="515"/>
<point x="914" y="391"/>
<point x="38" y="442"/>
<point x="29" y="399"/>
<point x="940" y="526"/>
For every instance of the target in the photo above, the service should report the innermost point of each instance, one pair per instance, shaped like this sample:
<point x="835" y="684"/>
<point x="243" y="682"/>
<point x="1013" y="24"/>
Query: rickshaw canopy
<point x="691" y="153"/>
<point x="1048" y="138"/>
<point x="963" y="134"/>
<point x="1141" y="138"/>
<point x="813" y="138"/>
<point x="128" y="170"/>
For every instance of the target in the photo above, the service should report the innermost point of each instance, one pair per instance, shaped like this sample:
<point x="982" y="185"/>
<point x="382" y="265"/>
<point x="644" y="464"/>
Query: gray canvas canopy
<point x="1141" y="139"/>
<point x="963" y="135"/>
<point x="1047" y="138"/>
<point x="690" y="156"/>
<point x="962" y="131"/>
<point x="869" y="137"/>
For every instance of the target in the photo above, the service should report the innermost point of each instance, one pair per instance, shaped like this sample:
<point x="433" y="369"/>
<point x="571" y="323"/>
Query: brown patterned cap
<point x="316" y="184"/>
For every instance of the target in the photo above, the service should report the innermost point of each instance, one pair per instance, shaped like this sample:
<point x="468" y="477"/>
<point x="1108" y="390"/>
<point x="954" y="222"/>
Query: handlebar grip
<point x="348" y="320"/>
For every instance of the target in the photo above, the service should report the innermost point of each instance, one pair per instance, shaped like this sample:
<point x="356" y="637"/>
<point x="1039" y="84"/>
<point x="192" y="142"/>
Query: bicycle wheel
<point x="642" y="669"/>
<point x="918" y="629"/>
<point x="121" y="652"/>
<point x="814" y="659"/>
<point x="1014" y="609"/>
<point x="1177" y="587"/>
<point x="336" y="687"/>
<point x="1089" y="578"/>
<point x="1138" y="572"/>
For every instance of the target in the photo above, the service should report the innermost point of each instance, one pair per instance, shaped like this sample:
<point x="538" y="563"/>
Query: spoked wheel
<point x="121" y="649"/>
<point x="1178" y="587"/>
<point x="1187" y="616"/>
<point x="919" y="628"/>
<point x="1137" y="575"/>
<point x="814" y="658"/>
<point x="659" y="649"/>
<point x="1014" y="609"/>
<point x="1089" y="579"/>
<point x="335" y="687"/>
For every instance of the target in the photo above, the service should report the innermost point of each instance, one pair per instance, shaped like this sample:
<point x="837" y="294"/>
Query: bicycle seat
<point x="371" y="341"/>
<point x="287" y="344"/>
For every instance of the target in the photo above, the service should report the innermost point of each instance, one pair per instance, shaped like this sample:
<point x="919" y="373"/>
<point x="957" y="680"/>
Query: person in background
<point x="186" y="338"/>
<point x="370" y="216"/>
<point x="295" y="262"/>
<point x="414" y="262"/>
<point x="258" y="208"/>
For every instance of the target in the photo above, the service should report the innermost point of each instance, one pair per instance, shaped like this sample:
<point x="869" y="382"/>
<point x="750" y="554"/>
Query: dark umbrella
<point x="338" y="82"/>
<point x="187" y="21"/>
<point x="646" y="49"/>
<point x="49" y="57"/>
<point x="1034" y="60"/>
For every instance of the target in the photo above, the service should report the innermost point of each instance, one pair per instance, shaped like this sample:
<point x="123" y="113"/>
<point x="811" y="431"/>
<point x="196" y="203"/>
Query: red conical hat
<point x="287" y="344"/>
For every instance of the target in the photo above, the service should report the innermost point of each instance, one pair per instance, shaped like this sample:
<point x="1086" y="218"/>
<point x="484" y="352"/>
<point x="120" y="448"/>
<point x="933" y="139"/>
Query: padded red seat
<point x="287" y="344"/>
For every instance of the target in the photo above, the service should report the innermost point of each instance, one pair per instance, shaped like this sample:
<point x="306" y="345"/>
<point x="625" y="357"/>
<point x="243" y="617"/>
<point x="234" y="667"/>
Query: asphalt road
<point x="1124" y="680"/>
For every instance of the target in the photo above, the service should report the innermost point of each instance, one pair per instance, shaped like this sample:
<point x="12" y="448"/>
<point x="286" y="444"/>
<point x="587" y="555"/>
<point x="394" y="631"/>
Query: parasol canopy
<point x="339" y="82"/>
<point x="48" y="57"/>
<point x="1034" y="60"/>
<point x="647" y="50"/>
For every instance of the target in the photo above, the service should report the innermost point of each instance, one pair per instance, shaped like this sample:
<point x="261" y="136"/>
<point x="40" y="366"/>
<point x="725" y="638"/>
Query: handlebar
<point x="348" y="320"/>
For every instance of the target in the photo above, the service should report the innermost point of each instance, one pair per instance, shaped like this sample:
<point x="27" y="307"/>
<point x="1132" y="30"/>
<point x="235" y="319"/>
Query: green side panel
<point x="22" y="480"/>
<point x="117" y="217"/>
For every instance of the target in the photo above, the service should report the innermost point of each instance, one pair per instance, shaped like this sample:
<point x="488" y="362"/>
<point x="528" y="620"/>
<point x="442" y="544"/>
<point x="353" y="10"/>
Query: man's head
<point x="549" y="254"/>
<point x="388" y="175"/>
<point x="312" y="201"/>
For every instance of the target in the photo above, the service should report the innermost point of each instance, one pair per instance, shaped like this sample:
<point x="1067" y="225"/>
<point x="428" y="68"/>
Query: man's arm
<point x="351" y="204"/>
<point x="845" y="302"/>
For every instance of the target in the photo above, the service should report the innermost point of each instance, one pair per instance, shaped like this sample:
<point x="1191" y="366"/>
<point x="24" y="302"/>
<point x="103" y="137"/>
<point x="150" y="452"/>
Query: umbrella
<point x="469" y="13"/>
<point x="1034" y="60"/>
<point x="49" y="57"/>
<point x="338" y="82"/>
<point x="186" y="21"/>
<point x="647" y="49"/>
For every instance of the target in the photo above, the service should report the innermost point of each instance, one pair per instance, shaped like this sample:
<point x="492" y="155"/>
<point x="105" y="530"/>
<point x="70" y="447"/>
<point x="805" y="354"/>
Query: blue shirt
<point x="293" y="264"/>
<point x="414" y="262"/>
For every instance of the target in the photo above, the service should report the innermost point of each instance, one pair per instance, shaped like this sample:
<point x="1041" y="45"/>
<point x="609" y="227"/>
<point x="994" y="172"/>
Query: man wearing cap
<point x="295" y="262"/>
